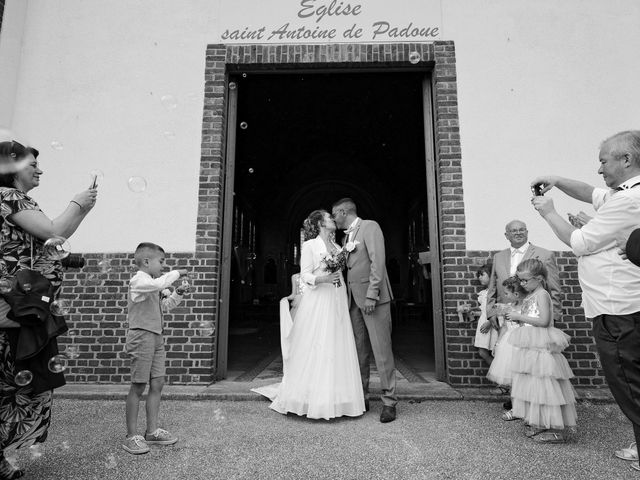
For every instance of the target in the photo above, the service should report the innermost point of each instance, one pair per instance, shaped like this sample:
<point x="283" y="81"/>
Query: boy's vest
<point x="145" y="315"/>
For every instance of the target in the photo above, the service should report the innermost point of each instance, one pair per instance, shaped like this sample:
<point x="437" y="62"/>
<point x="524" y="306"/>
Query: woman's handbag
<point x="30" y="300"/>
<point x="34" y="343"/>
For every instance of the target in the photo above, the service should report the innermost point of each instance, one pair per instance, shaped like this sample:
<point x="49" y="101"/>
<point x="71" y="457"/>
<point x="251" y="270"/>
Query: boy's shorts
<point x="146" y="350"/>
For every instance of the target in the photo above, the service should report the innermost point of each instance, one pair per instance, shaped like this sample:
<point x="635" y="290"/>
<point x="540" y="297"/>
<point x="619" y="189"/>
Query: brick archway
<point x="438" y="58"/>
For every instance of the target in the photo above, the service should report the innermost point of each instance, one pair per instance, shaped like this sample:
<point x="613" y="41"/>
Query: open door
<point x="227" y="233"/>
<point x="431" y="259"/>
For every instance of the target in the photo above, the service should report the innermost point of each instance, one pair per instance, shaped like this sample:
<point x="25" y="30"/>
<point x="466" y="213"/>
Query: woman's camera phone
<point x="94" y="183"/>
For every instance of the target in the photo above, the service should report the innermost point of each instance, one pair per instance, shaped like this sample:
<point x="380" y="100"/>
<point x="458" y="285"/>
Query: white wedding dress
<point x="321" y="376"/>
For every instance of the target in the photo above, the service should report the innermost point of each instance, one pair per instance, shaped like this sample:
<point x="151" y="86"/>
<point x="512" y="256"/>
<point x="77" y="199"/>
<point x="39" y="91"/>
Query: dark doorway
<point x="304" y="140"/>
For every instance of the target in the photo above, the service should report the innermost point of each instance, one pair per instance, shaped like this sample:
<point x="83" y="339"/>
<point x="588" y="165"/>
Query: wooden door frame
<point x="433" y="258"/>
<point x="431" y="187"/>
<point x="227" y="233"/>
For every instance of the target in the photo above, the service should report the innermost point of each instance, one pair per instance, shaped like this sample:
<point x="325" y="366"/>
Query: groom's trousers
<point x="373" y="335"/>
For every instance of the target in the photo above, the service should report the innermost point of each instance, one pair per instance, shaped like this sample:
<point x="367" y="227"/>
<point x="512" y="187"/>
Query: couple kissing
<point x="339" y="317"/>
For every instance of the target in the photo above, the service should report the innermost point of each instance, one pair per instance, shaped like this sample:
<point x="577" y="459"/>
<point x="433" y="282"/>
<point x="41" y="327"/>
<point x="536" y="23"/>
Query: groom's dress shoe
<point x="388" y="414"/>
<point x="366" y="404"/>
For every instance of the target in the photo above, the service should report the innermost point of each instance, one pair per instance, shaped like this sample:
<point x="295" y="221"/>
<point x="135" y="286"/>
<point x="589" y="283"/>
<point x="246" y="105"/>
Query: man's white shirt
<point x="517" y="254"/>
<point x="610" y="285"/>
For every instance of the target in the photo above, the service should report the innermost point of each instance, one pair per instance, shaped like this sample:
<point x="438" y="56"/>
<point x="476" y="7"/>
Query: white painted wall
<point x="541" y="83"/>
<point x="10" y="55"/>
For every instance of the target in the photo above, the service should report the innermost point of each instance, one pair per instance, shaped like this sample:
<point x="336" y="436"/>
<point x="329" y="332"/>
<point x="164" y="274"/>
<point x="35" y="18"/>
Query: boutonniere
<point x="351" y="246"/>
<point x="166" y="293"/>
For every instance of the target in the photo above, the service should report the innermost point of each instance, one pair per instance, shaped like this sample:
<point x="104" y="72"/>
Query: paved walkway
<point x="221" y="439"/>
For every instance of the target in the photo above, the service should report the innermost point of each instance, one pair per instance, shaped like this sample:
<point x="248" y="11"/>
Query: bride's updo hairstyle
<point x="312" y="223"/>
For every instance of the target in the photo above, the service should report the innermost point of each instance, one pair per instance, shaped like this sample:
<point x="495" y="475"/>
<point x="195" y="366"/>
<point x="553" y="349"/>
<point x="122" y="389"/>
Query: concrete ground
<point x="223" y="438"/>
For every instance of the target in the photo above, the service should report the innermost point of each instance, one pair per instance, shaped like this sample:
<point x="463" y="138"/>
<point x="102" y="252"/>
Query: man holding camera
<point x="610" y="283"/>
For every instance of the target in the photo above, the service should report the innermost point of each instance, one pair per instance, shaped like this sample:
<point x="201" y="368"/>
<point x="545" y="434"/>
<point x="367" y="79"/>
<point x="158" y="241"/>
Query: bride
<point x="320" y="364"/>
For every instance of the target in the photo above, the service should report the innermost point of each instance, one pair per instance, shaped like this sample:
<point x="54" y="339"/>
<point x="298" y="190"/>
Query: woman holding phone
<point x="25" y="414"/>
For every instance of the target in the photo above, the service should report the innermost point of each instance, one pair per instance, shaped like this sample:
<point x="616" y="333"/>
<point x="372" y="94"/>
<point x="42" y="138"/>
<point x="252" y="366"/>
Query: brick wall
<point x="98" y="318"/>
<point x="100" y="314"/>
<point x="465" y="367"/>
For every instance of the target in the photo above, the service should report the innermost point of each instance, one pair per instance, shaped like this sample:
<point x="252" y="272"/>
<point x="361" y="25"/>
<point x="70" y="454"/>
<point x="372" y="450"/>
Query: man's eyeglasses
<point x="518" y="230"/>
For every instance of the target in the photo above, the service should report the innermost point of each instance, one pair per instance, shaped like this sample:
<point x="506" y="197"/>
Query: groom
<point x="369" y="294"/>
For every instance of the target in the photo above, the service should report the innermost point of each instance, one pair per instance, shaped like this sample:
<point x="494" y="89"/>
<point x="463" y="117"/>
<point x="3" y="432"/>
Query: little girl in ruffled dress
<point x="486" y="335"/>
<point x="500" y="371"/>
<point x="541" y="392"/>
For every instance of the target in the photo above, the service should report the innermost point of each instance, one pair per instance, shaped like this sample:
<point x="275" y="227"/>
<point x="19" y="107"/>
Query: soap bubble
<point x="72" y="333"/>
<point x="205" y="328"/>
<point x="93" y="280"/>
<point x="415" y="57"/>
<point x="169" y="102"/>
<point x="218" y="415"/>
<point x="244" y="125"/>
<point x="56" y="248"/>
<point x="96" y="177"/>
<point x="232" y="86"/>
<point x="5" y="285"/>
<point x="36" y="450"/>
<point x="111" y="461"/>
<point x="23" y="378"/>
<point x="60" y="307"/>
<point x="251" y="170"/>
<point x="57" y="364"/>
<point x="137" y="184"/>
<point x="57" y="145"/>
<point x="9" y="165"/>
<point x="26" y="287"/>
<point x="104" y="265"/>
<point x="169" y="135"/>
<point x="10" y="456"/>
<point x="71" y="352"/>
<point x="187" y="284"/>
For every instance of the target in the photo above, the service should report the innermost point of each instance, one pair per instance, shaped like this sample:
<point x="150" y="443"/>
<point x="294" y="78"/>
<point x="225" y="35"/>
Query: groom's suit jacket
<point x="366" y="267"/>
<point x="501" y="269"/>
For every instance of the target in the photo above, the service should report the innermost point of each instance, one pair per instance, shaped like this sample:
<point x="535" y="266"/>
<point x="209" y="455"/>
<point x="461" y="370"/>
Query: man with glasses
<point x="610" y="283"/>
<point x="505" y="263"/>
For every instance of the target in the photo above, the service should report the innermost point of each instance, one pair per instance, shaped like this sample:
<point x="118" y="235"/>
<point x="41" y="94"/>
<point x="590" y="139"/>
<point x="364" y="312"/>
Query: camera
<point x="73" y="260"/>
<point x="537" y="189"/>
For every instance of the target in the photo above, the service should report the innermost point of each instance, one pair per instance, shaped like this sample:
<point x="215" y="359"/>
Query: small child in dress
<point x="145" y="345"/>
<point x="296" y="294"/>
<point x="541" y="392"/>
<point x="486" y="336"/>
<point x="500" y="370"/>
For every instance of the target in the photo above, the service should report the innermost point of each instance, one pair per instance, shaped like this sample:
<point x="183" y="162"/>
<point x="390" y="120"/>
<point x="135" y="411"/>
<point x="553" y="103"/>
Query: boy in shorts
<point x="146" y="299"/>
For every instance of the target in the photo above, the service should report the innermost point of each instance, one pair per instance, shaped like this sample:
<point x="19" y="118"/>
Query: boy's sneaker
<point x="135" y="444"/>
<point x="160" y="437"/>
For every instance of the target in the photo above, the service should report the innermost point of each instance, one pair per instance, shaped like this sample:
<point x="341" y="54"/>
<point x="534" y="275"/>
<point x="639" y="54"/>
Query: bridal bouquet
<point x="335" y="262"/>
